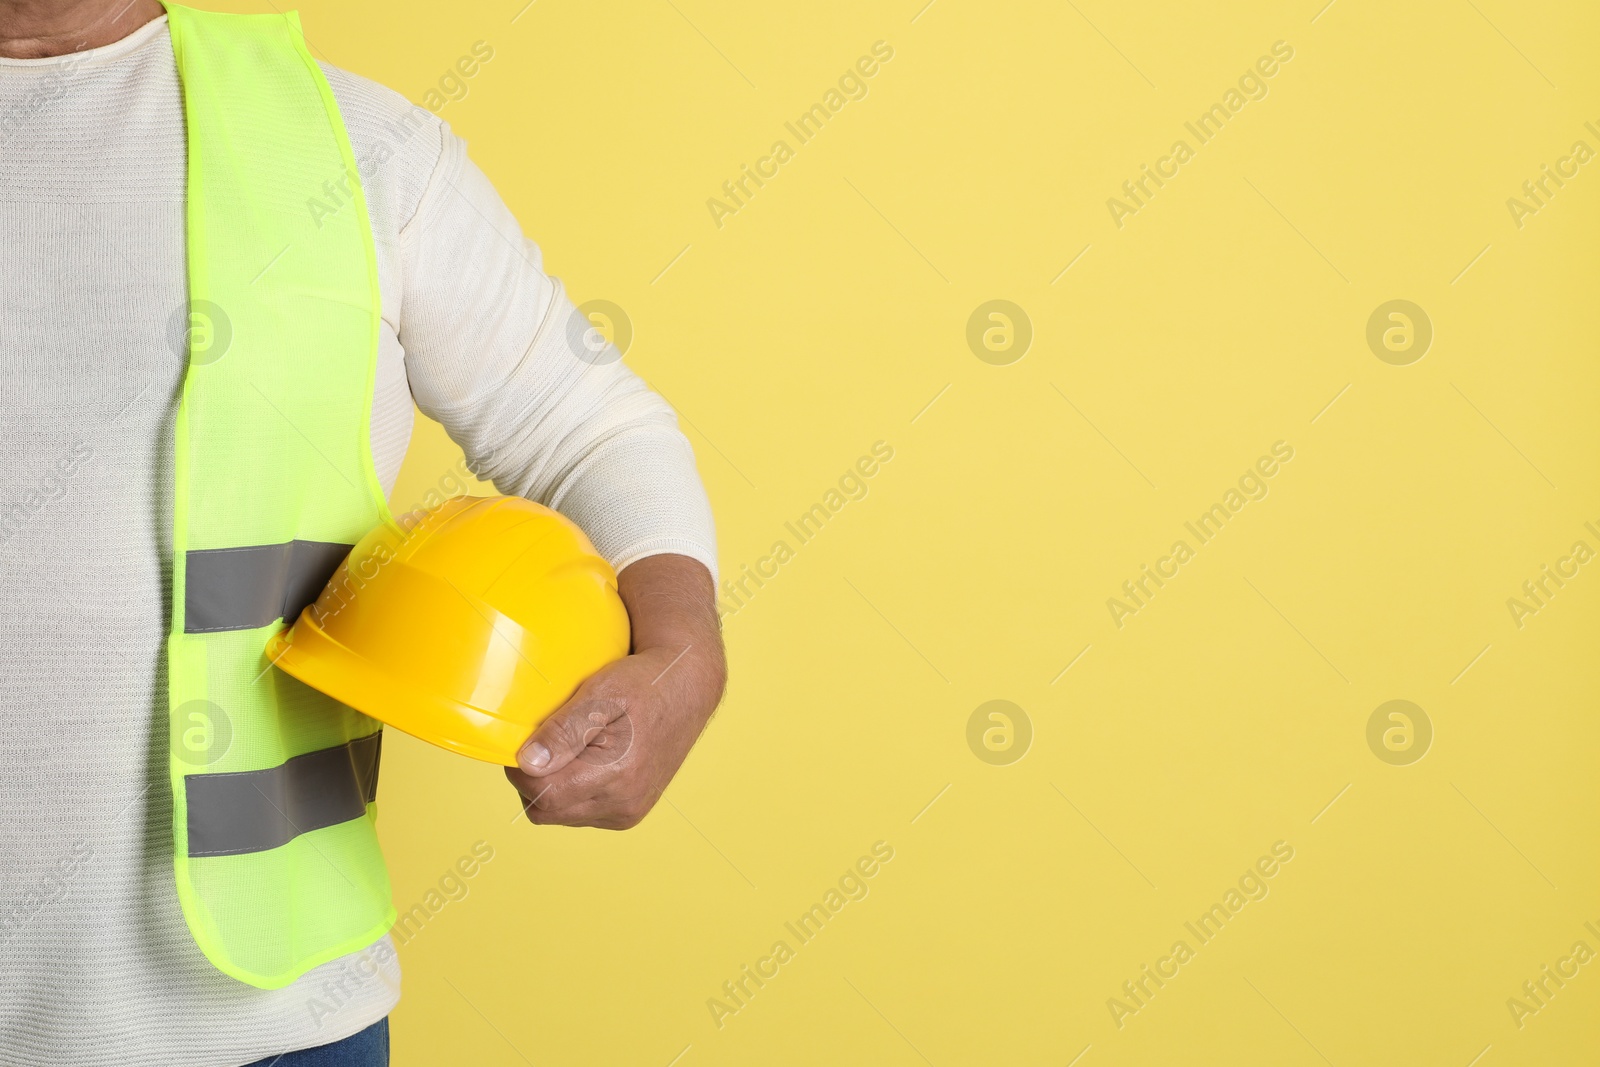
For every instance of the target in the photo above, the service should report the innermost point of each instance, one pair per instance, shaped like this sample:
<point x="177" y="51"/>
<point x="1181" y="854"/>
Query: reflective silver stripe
<point x="243" y="588"/>
<point x="252" y="811"/>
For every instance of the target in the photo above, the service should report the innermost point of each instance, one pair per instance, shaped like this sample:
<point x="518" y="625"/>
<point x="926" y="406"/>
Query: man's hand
<point x="605" y="756"/>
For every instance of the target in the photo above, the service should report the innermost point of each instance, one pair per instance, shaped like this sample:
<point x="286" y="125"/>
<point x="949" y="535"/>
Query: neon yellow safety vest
<point x="275" y="851"/>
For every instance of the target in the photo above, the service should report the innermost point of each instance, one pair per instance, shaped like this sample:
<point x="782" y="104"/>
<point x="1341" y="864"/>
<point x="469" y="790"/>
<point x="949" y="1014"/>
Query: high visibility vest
<point x="275" y="850"/>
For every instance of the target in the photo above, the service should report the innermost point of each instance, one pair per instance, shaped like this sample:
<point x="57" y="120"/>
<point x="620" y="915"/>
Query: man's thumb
<point x="559" y="739"/>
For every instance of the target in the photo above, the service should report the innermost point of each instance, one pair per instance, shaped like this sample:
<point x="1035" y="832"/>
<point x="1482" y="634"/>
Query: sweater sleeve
<point x="492" y="353"/>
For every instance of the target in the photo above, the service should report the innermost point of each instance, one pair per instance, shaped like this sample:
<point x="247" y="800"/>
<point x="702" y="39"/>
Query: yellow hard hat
<point x="465" y="625"/>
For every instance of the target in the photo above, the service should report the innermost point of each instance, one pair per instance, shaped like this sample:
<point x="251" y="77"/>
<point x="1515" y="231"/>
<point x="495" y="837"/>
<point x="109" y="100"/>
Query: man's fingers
<point x="569" y="729"/>
<point x="545" y="794"/>
<point x="558" y="802"/>
<point x="578" y="797"/>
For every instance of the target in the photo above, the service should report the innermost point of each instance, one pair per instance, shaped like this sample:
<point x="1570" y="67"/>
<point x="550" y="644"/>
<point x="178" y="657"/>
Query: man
<point x="97" y="964"/>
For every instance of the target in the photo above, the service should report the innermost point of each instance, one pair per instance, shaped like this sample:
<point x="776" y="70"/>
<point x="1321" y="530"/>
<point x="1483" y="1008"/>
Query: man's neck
<point x="37" y="29"/>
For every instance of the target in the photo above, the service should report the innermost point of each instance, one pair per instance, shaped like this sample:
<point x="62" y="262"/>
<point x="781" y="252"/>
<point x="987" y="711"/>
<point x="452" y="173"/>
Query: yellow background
<point x="1231" y="712"/>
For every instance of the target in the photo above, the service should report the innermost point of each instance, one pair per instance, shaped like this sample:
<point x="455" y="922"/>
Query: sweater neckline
<point x="105" y="53"/>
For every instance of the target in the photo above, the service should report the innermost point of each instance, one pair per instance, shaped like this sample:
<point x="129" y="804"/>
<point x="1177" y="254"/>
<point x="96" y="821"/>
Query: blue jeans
<point x="369" y="1048"/>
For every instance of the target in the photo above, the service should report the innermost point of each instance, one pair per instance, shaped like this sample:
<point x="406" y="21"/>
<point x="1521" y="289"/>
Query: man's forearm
<point x="672" y="604"/>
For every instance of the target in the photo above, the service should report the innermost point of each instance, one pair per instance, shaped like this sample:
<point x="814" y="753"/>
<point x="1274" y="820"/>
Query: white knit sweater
<point x="96" y="964"/>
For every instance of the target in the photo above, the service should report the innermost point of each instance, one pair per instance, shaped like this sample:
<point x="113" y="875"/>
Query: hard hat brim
<point x="305" y="652"/>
